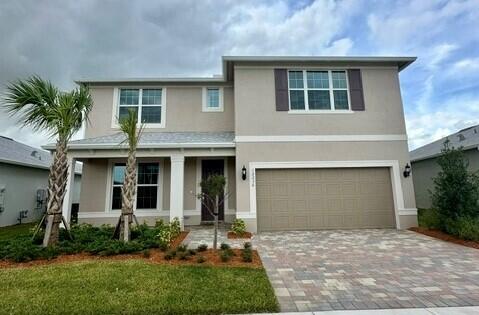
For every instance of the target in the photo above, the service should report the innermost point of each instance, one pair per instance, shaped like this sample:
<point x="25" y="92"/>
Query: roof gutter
<point x="116" y="146"/>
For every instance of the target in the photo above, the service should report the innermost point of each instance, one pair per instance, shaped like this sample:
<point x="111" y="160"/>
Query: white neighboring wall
<point x="20" y="186"/>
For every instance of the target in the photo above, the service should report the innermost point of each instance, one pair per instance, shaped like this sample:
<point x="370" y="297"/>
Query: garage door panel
<point x="299" y="199"/>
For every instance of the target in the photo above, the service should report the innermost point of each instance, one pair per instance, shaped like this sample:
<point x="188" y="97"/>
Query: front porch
<point x="168" y="180"/>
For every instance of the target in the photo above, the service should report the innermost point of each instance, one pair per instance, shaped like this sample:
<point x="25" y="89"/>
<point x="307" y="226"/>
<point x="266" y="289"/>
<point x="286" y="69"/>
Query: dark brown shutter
<point x="281" y="88"/>
<point x="356" y="89"/>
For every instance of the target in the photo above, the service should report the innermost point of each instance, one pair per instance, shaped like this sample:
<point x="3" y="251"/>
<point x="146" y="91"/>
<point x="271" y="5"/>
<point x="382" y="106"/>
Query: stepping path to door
<point x="367" y="269"/>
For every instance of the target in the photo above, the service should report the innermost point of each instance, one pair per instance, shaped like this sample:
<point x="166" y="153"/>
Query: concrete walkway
<point x="470" y="310"/>
<point x="368" y="269"/>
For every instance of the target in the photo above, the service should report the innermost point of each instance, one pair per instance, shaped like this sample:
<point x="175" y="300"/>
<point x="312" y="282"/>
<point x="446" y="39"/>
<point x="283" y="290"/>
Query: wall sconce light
<point x="243" y="173"/>
<point x="407" y="170"/>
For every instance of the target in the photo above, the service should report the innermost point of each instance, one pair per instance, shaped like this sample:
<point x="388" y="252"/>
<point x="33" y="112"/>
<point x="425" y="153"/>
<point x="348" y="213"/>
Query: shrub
<point x="192" y="252"/>
<point x="182" y="248"/>
<point x="184" y="255"/>
<point x="247" y="254"/>
<point x="200" y="259"/>
<point x="429" y="218"/>
<point x="464" y="228"/>
<point x="168" y="256"/>
<point x="146" y="253"/>
<point x="224" y="246"/>
<point x="225" y="256"/>
<point x="202" y="247"/>
<point x="456" y="190"/>
<point x="175" y="228"/>
<point x="247" y="245"/>
<point x="238" y="226"/>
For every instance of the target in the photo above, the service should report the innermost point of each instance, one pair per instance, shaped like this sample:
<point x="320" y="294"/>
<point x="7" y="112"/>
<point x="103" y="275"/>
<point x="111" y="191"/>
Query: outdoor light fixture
<point x="407" y="170"/>
<point x="243" y="173"/>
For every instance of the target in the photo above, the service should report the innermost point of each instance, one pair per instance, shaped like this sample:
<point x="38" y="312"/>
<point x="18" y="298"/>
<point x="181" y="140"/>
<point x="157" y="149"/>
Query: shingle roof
<point x="467" y="138"/>
<point x="157" y="139"/>
<point x="13" y="152"/>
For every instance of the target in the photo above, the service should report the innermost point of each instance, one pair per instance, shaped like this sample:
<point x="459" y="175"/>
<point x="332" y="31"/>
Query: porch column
<point x="177" y="187"/>
<point x="67" y="200"/>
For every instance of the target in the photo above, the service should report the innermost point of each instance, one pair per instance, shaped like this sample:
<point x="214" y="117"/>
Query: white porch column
<point x="67" y="201"/>
<point x="177" y="187"/>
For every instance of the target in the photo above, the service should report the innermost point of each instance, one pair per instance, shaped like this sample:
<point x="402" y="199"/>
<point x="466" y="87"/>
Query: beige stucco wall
<point x="256" y="112"/>
<point x="424" y="171"/>
<point x="183" y="111"/>
<point x="93" y="185"/>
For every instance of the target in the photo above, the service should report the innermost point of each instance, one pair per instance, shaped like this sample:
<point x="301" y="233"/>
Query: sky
<point x="66" y="40"/>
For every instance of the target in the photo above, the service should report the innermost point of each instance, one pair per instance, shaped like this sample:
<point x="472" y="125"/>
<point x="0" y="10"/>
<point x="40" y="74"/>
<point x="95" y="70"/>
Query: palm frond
<point x="128" y="125"/>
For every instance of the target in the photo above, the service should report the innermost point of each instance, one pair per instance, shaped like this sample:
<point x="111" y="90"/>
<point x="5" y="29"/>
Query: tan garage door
<point x="336" y="198"/>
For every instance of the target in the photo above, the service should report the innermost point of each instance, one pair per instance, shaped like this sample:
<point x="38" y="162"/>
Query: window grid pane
<point x="151" y="97"/>
<point x="319" y="100"/>
<point x="148" y="173"/>
<point x="123" y="112"/>
<point x="297" y="99"/>
<point x="116" y="198"/>
<point x="119" y="173"/>
<point x="151" y="114"/>
<point x="339" y="79"/>
<point x="146" y="197"/>
<point x="296" y="79"/>
<point x="129" y="96"/>
<point x="213" y="97"/>
<point x="341" y="99"/>
<point x="318" y="79"/>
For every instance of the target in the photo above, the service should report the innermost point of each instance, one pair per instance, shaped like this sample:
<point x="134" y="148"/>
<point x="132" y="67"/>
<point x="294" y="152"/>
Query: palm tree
<point x="128" y="126"/>
<point x="42" y="106"/>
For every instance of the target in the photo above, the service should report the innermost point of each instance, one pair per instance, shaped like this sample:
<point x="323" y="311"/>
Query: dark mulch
<point x="445" y="237"/>
<point x="245" y="235"/>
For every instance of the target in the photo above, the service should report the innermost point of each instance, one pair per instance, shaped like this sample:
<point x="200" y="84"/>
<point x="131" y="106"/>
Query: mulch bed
<point x="233" y="235"/>
<point x="212" y="258"/>
<point x="445" y="237"/>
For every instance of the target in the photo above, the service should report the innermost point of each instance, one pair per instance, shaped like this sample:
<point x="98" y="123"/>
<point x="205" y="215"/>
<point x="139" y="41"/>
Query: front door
<point x="208" y="168"/>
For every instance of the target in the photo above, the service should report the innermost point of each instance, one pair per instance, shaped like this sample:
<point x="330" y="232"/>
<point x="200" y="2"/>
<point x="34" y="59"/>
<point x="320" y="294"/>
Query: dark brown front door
<point x="211" y="167"/>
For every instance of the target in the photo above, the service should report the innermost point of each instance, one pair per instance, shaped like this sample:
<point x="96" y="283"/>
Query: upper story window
<point x="148" y="103"/>
<point x="212" y="99"/>
<point x="318" y="90"/>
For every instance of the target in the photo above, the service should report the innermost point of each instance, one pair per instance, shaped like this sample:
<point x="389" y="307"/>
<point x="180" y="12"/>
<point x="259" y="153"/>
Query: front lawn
<point x="134" y="287"/>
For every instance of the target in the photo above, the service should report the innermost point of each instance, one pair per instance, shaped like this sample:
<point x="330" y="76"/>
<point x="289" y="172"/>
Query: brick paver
<point x="367" y="269"/>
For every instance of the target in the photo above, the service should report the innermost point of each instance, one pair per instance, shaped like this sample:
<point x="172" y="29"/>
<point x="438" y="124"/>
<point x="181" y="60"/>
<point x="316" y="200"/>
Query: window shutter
<point x="281" y="88"/>
<point x="356" y="89"/>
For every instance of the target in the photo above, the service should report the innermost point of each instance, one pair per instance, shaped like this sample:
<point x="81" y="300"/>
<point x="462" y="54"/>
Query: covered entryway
<point x="324" y="198"/>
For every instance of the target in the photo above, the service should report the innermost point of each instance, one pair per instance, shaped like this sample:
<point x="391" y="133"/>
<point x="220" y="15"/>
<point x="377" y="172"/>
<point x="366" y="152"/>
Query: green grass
<point x="13" y="231"/>
<point x="134" y="287"/>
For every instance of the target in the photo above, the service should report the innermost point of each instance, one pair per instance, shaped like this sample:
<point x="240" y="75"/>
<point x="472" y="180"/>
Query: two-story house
<point x="304" y="142"/>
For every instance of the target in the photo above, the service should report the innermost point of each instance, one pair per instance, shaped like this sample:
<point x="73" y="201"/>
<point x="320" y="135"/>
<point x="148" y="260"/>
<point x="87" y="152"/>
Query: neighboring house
<point x="424" y="161"/>
<point x="305" y="143"/>
<point x="24" y="182"/>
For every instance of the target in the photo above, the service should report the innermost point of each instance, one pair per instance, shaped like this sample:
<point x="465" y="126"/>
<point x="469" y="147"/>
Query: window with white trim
<point x="212" y="99"/>
<point x="147" y="103"/>
<point x="146" y="187"/>
<point x="318" y="90"/>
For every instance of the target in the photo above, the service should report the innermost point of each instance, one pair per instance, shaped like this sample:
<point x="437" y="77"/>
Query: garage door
<point x="336" y="198"/>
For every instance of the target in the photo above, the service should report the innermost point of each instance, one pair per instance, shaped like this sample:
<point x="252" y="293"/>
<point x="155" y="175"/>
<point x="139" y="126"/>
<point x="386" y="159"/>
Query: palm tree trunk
<point x="216" y="214"/>
<point x="128" y="193"/>
<point x="57" y="181"/>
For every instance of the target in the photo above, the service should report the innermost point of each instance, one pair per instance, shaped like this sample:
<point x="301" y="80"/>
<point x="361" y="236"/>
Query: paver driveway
<point x="367" y="269"/>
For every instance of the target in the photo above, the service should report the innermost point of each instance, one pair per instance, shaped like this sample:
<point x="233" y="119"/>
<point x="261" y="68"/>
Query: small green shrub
<point x="224" y="246"/>
<point x="184" y="255"/>
<point x="168" y="256"/>
<point x="225" y="256"/>
<point x="238" y="226"/>
<point x="202" y="247"/>
<point x="247" y="245"/>
<point x="175" y="228"/>
<point x="247" y="254"/>
<point x="182" y="248"/>
<point x="191" y="252"/>
<point x="200" y="259"/>
<point x="146" y="253"/>
<point x="464" y="228"/>
<point x="429" y="218"/>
